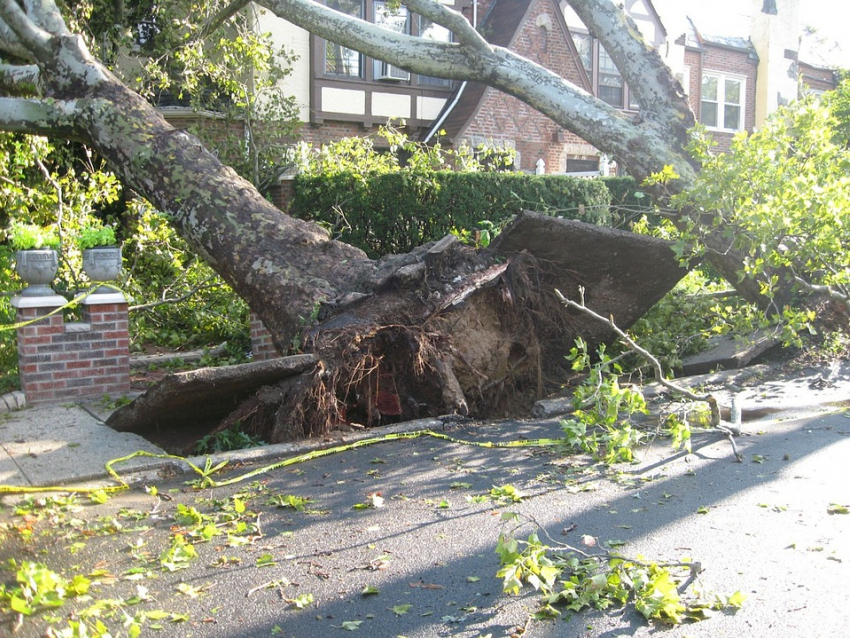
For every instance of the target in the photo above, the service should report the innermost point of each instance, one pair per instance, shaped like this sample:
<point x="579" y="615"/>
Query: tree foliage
<point x="782" y="196"/>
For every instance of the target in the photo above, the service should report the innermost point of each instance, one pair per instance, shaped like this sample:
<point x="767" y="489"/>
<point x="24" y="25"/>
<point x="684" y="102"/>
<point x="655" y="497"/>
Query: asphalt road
<point x="427" y="554"/>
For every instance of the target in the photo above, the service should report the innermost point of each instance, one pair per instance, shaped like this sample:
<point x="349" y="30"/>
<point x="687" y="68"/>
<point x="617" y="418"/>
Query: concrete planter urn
<point x="102" y="264"/>
<point x="37" y="268"/>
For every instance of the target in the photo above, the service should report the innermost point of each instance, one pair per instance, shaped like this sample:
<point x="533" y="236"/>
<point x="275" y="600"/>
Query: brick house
<point x="733" y="83"/>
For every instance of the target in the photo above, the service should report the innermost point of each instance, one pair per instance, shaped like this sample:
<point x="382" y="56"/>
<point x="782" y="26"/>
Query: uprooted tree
<point x="440" y="329"/>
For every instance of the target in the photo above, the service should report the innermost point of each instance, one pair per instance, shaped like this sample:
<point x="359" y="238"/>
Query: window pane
<point x="396" y="20"/>
<point x="341" y="61"/>
<point x="732" y="117"/>
<point x="606" y="79"/>
<point x="431" y="31"/>
<point x="391" y="19"/>
<point x="708" y="113"/>
<point x="606" y="64"/>
<point x="613" y="95"/>
<point x="733" y="92"/>
<point x="338" y="59"/>
<point x="584" y="44"/>
<point x="709" y="88"/>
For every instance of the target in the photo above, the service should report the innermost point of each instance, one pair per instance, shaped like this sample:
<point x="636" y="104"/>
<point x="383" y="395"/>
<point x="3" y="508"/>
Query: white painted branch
<point x="646" y="146"/>
<point x="45" y="14"/>
<point x="32" y="37"/>
<point x="10" y="45"/>
<point x="14" y="76"/>
<point x="429" y="57"/>
<point x="39" y="117"/>
<point x="650" y="81"/>
<point x="451" y="19"/>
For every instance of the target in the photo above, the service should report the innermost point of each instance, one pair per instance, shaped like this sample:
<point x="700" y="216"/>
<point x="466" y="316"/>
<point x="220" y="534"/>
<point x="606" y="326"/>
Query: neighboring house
<point x="733" y="83"/>
<point x="719" y="76"/>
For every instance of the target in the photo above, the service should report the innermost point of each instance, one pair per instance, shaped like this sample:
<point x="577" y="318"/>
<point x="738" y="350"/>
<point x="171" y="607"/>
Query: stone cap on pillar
<point x="101" y="298"/>
<point x="40" y="301"/>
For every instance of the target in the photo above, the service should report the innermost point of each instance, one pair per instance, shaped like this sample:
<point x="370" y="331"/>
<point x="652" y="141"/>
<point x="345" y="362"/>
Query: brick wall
<point x="543" y="39"/>
<point x="60" y="361"/>
<point x="262" y="348"/>
<point x="735" y="62"/>
<point x="817" y="79"/>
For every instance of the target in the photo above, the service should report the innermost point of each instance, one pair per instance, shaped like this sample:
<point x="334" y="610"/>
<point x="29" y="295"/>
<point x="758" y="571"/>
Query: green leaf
<point x="835" y="508"/>
<point x="20" y="606"/>
<point x="736" y="600"/>
<point x="302" y="601"/>
<point x="99" y="496"/>
<point x="369" y="590"/>
<point x="351" y="625"/>
<point x="400" y="610"/>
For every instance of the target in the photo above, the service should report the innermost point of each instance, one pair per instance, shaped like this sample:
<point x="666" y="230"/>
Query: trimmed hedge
<point x="627" y="206"/>
<point x="395" y="212"/>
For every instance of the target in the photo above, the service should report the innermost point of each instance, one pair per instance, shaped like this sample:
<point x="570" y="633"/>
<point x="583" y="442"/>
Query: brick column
<point x="262" y="348"/>
<point x="60" y="361"/>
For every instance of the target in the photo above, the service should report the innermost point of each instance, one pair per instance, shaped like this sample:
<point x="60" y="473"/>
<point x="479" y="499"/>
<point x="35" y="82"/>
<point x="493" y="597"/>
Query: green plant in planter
<point x="96" y="236"/>
<point x="33" y="237"/>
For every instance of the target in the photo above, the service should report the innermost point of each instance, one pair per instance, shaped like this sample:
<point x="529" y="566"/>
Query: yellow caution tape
<point x="208" y="481"/>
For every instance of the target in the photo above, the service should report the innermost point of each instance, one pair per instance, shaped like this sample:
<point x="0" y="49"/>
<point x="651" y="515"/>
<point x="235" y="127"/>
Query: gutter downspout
<point x="436" y="126"/>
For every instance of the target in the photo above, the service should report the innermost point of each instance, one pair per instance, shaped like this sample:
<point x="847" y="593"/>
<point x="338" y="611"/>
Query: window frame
<point x="369" y="69"/>
<point x="721" y="103"/>
<point x="361" y="59"/>
<point x="595" y="71"/>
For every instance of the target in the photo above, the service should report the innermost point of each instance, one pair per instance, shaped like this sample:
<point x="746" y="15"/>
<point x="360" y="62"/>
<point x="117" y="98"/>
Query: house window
<point x="584" y="44"/>
<point x="610" y="81"/>
<point x="346" y="64"/>
<point x="339" y="60"/>
<point x="433" y="31"/>
<point x="722" y="102"/>
<point x="607" y="83"/>
<point x="582" y="165"/>
<point x="396" y="20"/>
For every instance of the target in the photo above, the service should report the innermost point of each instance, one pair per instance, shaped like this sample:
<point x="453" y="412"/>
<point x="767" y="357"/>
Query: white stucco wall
<point x="772" y="36"/>
<point x="297" y="40"/>
<point x="428" y="108"/>
<point x="391" y="105"/>
<point x="348" y="101"/>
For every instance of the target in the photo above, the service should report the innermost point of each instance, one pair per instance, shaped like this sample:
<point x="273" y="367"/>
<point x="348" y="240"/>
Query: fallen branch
<point x="656" y="367"/>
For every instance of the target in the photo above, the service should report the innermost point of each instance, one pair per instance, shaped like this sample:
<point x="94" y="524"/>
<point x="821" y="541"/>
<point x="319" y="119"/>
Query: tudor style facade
<point x="732" y="82"/>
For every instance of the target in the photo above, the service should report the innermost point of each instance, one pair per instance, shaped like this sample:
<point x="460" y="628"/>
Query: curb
<point x="12" y="401"/>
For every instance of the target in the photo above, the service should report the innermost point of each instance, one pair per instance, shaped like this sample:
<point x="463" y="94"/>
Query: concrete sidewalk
<point x="63" y="445"/>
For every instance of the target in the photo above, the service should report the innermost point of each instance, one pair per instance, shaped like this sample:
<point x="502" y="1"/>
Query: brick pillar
<point x="262" y="348"/>
<point x="60" y="361"/>
<point x="283" y="192"/>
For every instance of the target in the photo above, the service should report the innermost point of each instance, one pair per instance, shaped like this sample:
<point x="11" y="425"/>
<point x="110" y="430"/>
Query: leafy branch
<point x="656" y="367"/>
<point x="570" y="578"/>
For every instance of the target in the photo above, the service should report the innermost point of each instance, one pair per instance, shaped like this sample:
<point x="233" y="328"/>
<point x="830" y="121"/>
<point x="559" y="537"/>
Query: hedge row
<point x="628" y="202"/>
<point x="395" y="212"/>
